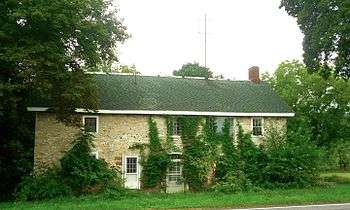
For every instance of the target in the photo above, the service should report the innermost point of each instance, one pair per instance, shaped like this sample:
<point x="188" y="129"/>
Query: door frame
<point x="138" y="169"/>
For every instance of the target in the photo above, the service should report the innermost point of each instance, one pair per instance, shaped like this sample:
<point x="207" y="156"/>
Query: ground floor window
<point x="175" y="172"/>
<point x="131" y="165"/>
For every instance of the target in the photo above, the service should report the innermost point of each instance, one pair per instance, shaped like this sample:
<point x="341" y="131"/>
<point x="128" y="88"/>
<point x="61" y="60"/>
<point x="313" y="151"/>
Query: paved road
<point x="341" y="206"/>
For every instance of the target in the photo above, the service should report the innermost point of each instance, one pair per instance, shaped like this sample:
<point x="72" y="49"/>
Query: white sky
<point x="241" y="33"/>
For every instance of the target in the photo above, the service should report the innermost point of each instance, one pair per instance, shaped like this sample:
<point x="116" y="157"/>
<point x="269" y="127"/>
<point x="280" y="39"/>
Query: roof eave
<point x="170" y="112"/>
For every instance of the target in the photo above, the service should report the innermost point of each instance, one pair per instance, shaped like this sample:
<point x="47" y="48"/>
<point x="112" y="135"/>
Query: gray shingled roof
<point x="127" y="92"/>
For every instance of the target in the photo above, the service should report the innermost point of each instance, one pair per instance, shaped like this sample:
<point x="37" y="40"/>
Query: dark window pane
<point x="131" y="165"/>
<point x="90" y="124"/>
<point x="176" y="128"/>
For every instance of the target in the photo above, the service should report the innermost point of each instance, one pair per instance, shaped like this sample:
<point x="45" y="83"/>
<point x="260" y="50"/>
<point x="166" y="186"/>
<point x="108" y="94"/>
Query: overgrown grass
<point x="337" y="177"/>
<point x="139" y="200"/>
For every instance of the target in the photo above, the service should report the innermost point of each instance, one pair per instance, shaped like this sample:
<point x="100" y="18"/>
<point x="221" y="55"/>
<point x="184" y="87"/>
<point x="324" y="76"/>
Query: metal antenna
<point x="205" y="40"/>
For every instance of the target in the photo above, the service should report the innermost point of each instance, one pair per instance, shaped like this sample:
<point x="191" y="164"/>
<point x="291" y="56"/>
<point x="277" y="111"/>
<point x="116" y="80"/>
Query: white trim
<point x="137" y="164"/>
<point x="138" y="168"/>
<point x="262" y="126"/>
<point x="97" y="121"/>
<point x="165" y="112"/>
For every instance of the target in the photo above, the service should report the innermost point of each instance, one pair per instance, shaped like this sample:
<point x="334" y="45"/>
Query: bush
<point x="80" y="173"/>
<point x="233" y="182"/>
<point x="293" y="163"/>
<point x="46" y="186"/>
<point x="86" y="174"/>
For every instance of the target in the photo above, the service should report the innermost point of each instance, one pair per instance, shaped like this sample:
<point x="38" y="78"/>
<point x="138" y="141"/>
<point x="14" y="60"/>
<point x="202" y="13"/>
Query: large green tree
<point x="193" y="70"/>
<point x="326" y="26"/>
<point x="45" y="47"/>
<point x="320" y="105"/>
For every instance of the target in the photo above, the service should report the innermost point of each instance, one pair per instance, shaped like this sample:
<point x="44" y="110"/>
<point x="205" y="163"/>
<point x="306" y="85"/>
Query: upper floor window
<point x="257" y="124"/>
<point x="176" y="127"/>
<point x="91" y="123"/>
<point x="220" y="123"/>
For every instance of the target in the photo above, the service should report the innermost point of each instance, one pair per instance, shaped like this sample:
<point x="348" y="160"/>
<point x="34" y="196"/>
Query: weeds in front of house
<point x="211" y="160"/>
<point x="80" y="173"/>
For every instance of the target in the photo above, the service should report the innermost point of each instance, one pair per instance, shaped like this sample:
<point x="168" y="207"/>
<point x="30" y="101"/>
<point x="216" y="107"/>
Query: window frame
<point x="177" y="134"/>
<point x="97" y="122"/>
<point x="179" y="174"/>
<point x="136" y="164"/>
<point x="262" y="126"/>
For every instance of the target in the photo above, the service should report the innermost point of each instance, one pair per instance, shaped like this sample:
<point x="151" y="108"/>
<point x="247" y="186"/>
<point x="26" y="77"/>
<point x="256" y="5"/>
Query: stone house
<point x="127" y="101"/>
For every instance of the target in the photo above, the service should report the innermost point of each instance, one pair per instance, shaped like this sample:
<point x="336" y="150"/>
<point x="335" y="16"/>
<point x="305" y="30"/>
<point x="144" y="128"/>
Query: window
<point x="219" y="122"/>
<point x="257" y="126"/>
<point x="176" y="128"/>
<point x="90" y="123"/>
<point x="174" y="173"/>
<point x="131" y="165"/>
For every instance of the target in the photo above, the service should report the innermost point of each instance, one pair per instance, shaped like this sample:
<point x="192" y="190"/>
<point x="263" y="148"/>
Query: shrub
<point x="293" y="163"/>
<point x="233" y="182"/>
<point x="227" y="162"/>
<point x="45" y="186"/>
<point x="86" y="174"/>
<point x="252" y="159"/>
<point x="80" y="173"/>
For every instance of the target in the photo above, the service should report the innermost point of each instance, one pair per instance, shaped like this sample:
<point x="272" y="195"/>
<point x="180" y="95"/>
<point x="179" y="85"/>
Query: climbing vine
<point x="229" y="158"/>
<point x="155" y="165"/>
<point x="197" y="151"/>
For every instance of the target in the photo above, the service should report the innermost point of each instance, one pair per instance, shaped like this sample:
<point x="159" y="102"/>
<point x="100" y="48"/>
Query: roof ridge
<point x="166" y="76"/>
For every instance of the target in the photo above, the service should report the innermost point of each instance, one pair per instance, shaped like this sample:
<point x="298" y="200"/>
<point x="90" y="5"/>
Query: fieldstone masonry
<point x="116" y="133"/>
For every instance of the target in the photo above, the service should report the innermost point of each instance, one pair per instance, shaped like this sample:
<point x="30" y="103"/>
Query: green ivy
<point x="196" y="161"/>
<point x="228" y="161"/>
<point x="156" y="164"/>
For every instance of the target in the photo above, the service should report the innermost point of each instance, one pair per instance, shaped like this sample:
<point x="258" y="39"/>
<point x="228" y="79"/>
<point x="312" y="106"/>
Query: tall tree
<point x="320" y="105"/>
<point x="193" y="70"/>
<point x="46" y="46"/>
<point x="326" y="26"/>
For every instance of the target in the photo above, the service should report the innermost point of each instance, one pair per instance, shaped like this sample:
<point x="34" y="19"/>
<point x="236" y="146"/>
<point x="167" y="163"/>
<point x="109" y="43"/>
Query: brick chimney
<point x="253" y="74"/>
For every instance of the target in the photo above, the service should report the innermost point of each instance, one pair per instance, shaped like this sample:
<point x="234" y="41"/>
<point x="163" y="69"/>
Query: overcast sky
<point x="241" y="33"/>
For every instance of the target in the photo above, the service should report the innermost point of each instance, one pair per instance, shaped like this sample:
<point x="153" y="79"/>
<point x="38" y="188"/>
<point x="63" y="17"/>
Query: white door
<point x="132" y="172"/>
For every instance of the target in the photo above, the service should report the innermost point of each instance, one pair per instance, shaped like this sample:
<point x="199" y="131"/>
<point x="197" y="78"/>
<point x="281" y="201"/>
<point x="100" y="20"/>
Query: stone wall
<point x="116" y="133"/>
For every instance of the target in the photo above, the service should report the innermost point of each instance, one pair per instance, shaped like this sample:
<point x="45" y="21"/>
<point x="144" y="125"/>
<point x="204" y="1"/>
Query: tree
<point x="193" y="70"/>
<point x="326" y="26"/>
<point x="320" y="105"/>
<point x="127" y="69"/>
<point x="46" y="46"/>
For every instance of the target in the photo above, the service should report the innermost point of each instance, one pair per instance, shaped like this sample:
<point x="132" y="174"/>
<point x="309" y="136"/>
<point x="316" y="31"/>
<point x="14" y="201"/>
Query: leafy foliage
<point x="251" y="158"/>
<point x="195" y="164"/>
<point x="294" y="162"/>
<point x="233" y="182"/>
<point x="193" y="70"/>
<point x="320" y="105"/>
<point x="45" y="48"/>
<point x="127" y="69"/>
<point x="156" y="164"/>
<point x="40" y="187"/>
<point x="339" y="154"/>
<point x="83" y="172"/>
<point x="228" y="161"/>
<point x="326" y="28"/>
<point x="80" y="173"/>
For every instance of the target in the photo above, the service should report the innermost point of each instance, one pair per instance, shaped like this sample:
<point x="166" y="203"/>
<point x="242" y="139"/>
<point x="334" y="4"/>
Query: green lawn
<point x="336" y="194"/>
<point x="340" y="174"/>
